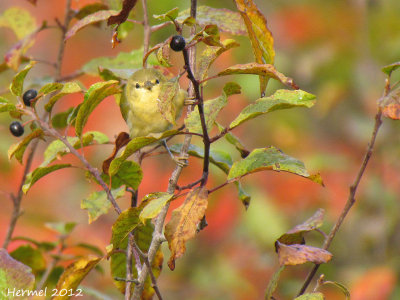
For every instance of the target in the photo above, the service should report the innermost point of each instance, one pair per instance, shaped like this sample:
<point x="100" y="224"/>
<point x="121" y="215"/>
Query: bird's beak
<point x="148" y="85"/>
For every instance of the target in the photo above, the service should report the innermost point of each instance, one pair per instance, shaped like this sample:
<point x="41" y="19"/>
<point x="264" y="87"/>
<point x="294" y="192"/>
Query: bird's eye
<point x="157" y="81"/>
<point x="137" y="85"/>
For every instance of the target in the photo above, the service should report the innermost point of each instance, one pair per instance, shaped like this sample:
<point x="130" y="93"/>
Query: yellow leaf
<point x="261" y="38"/>
<point x="74" y="274"/>
<point x="183" y="223"/>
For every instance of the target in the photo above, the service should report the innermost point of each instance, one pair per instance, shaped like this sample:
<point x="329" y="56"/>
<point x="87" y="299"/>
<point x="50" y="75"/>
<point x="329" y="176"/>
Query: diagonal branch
<point x="352" y="192"/>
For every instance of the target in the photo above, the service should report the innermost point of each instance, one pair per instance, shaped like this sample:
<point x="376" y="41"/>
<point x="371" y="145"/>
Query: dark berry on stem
<point x="28" y="96"/>
<point x="16" y="128"/>
<point x="177" y="43"/>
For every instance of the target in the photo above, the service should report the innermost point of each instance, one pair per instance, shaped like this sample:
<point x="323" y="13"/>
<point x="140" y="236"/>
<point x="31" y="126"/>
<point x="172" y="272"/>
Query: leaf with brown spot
<point x="260" y="69"/>
<point x="163" y="55"/>
<point x="89" y="20"/>
<point x="121" y="141"/>
<point x="295" y="235"/>
<point x="391" y="105"/>
<point x="121" y="17"/>
<point x="226" y="20"/>
<point x="260" y="36"/>
<point x="183" y="223"/>
<point x="291" y="255"/>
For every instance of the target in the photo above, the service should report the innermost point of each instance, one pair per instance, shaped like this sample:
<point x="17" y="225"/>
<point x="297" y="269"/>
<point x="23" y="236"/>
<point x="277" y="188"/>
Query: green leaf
<point x="169" y="15"/>
<point x="243" y="195"/>
<point x="50" y="87"/>
<point x="260" y="36"/>
<point x="75" y="273"/>
<point x="44" y="246"/>
<point x="226" y="20"/>
<point x="210" y="54"/>
<point x="17" y="85"/>
<point x="265" y="70"/>
<point x="63" y="228"/>
<point x="90" y="247"/>
<point x="129" y="174"/>
<point x="234" y="140"/>
<point x="88" y="20"/>
<point x="273" y="283"/>
<point x="281" y="99"/>
<point x="60" y="120"/>
<point x="211" y="110"/>
<point x="270" y="158"/>
<point x="18" y="20"/>
<point x="134" y="145"/>
<point x="122" y="65"/>
<point x="390" y="68"/>
<point x="97" y="204"/>
<point x="311" y="296"/>
<point x="30" y="257"/>
<point x="38" y="173"/>
<point x="219" y="158"/>
<point x="125" y="223"/>
<point x="155" y="202"/>
<point x="6" y="106"/>
<point x="57" y="149"/>
<point x="68" y="88"/>
<point x="18" y="150"/>
<point x="14" y="274"/>
<point x="163" y="54"/>
<point x="96" y="93"/>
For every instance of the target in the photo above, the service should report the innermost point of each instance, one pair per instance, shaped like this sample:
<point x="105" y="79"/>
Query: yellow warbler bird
<point x="141" y="103"/>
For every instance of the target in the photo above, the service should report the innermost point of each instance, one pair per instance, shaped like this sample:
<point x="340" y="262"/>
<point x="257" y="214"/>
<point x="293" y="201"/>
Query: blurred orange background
<point x="332" y="49"/>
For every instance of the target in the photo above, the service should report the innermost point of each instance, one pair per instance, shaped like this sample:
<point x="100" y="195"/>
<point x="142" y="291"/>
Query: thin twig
<point x="146" y="31"/>
<point x="352" y="192"/>
<point x="95" y="172"/>
<point x="153" y="278"/>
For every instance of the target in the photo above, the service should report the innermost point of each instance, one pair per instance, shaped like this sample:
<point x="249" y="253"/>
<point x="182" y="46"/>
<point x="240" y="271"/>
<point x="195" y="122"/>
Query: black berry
<point x="16" y="128"/>
<point x="177" y="43"/>
<point x="28" y="96"/>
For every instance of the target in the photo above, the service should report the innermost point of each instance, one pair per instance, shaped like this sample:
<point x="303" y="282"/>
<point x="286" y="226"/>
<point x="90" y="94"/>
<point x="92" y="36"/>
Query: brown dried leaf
<point x="391" y="105"/>
<point x="266" y="70"/>
<point x="290" y="255"/>
<point x="121" y="141"/>
<point x="295" y="235"/>
<point x="183" y="223"/>
<point x="32" y="1"/>
<point x="261" y="38"/>
<point x="127" y="6"/>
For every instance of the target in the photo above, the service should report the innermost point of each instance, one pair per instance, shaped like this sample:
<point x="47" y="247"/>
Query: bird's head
<point x="146" y="79"/>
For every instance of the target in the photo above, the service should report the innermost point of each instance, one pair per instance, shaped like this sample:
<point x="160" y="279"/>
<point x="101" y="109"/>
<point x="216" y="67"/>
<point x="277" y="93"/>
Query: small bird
<point x="140" y="103"/>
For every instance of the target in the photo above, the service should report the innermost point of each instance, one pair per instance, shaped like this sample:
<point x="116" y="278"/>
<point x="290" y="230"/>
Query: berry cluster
<point x="16" y="127"/>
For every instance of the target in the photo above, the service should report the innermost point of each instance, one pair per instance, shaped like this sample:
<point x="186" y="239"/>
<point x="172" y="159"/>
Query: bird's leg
<point x="181" y="161"/>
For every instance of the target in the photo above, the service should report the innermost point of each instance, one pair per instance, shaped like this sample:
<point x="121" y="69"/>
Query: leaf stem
<point x="147" y="31"/>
